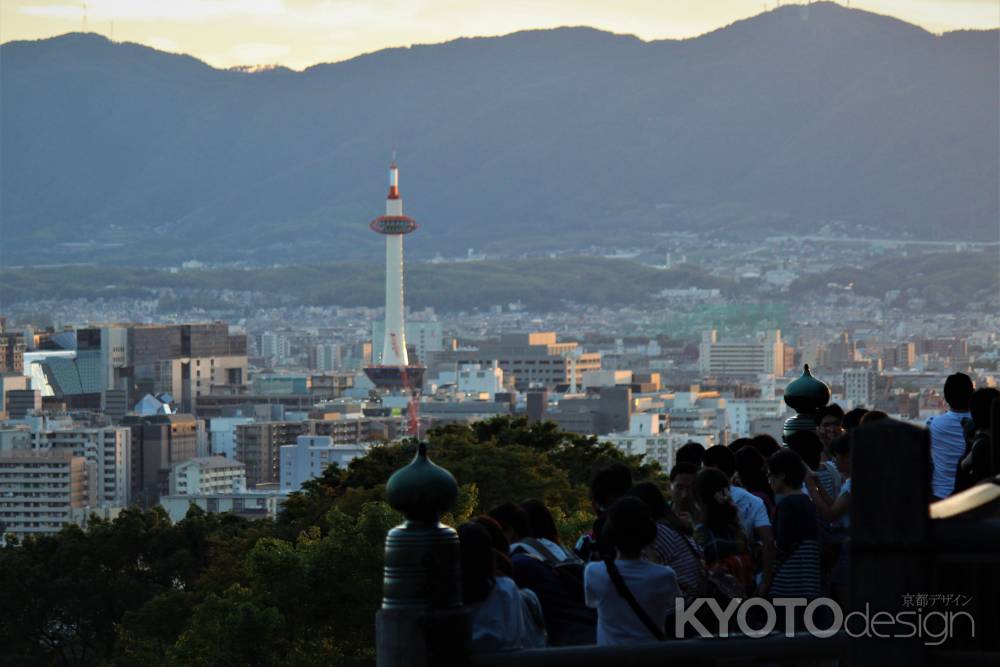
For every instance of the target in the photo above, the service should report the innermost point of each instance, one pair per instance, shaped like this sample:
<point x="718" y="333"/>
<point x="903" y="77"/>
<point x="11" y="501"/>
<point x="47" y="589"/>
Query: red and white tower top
<point x="393" y="222"/>
<point x="393" y="180"/>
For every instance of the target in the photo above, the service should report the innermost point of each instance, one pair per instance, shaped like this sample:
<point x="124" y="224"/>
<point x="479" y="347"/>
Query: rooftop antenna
<point x="84" y="23"/>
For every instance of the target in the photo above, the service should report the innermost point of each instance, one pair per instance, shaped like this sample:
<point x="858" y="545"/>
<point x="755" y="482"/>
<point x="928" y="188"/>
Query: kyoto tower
<point x="394" y="371"/>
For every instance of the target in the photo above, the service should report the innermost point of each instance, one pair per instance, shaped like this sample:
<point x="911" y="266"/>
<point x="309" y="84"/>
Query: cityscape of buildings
<point x="111" y="404"/>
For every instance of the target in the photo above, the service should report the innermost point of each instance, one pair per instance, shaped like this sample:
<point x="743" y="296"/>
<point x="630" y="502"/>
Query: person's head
<point x="830" y="419"/>
<point x="712" y="491"/>
<point x="738" y="444"/>
<point x="501" y="547"/>
<point x="852" y="418"/>
<point x="682" y="482"/>
<point x="650" y="494"/>
<point x="808" y="446"/>
<point x="842" y="454"/>
<point x="752" y="470"/>
<point x="477" y="562"/>
<point x="786" y="471"/>
<point x="958" y="390"/>
<point x="765" y="444"/>
<point x="691" y="452"/>
<point x="512" y="519"/>
<point x="980" y="406"/>
<point x="540" y="521"/>
<point x="629" y="526"/>
<point x="722" y="458"/>
<point x="873" y="416"/>
<point x="609" y="484"/>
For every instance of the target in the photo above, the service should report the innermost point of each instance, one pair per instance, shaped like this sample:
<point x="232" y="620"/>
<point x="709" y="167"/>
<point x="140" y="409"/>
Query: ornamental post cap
<point x="807" y="394"/>
<point x="422" y="490"/>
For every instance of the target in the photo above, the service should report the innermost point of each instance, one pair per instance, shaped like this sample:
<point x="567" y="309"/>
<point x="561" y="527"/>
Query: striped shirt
<point x="682" y="554"/>
<point x="797" y="571"/>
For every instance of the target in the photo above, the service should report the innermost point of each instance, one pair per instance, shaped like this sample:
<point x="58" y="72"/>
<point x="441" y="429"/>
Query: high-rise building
<point x="39" y="491"/>
<point x="326" y="357"/>
<point x="158" y="442"/>
<point x="394" y="225"/>
<point x="258" y="445"/>
<point x="860" y="387"/>
<point x="742" y="358"/>
<point x="106" y="451"/>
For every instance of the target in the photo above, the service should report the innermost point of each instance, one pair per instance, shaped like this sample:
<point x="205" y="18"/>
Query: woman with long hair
<point x="674" y="545"/>
<point x="720" y="534"/>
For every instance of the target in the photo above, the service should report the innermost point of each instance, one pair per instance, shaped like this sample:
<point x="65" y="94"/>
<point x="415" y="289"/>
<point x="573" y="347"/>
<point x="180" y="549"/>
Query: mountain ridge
<point x="511" y="143"/>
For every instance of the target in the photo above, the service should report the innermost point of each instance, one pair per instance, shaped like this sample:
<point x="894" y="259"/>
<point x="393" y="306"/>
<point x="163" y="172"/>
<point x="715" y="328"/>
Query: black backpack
<point x="570" y="621"/>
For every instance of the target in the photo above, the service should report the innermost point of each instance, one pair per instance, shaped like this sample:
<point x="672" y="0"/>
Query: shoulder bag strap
<point x="542" y="550"/>
<point x="619" y="582"/>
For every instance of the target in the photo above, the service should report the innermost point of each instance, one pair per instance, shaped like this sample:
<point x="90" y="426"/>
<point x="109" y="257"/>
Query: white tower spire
<point x="394" y="225"/>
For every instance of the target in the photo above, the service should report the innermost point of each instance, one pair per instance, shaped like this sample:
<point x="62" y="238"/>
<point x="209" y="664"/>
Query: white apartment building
<point x="742" y="358"/>
<point x="647" y="438"/>
<point x="859" y="387"/>
<point x="309" y="457"/>
<point x="741" y="414"/>
<point x="222" y="435"/>
<point x="477" y="380"/>
<point x="207" y="475"/>
<point x="39" y="491"/>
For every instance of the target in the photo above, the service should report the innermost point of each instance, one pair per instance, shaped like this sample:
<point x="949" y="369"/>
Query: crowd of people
<point x="753" y="518"/>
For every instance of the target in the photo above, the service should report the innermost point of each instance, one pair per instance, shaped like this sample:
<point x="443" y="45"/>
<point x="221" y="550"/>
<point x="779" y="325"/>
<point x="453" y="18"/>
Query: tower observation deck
<point x="387" y="374"/>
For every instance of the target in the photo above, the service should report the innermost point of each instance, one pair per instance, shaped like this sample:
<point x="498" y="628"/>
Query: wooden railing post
<point x="422" y="622"/>
<point x="890" y="494"/>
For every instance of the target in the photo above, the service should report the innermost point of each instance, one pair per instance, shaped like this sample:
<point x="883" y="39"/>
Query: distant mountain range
<point x="536" y="141"/>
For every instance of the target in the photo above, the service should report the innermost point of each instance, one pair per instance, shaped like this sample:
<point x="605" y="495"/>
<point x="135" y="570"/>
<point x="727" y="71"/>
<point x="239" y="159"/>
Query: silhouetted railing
<point x="902" y="549"/>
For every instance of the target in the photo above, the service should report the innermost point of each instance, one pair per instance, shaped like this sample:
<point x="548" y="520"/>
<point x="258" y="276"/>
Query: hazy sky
<point x="299" y="33"/>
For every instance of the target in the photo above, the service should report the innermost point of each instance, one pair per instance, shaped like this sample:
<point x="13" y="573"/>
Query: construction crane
<point x="413" y="406"/>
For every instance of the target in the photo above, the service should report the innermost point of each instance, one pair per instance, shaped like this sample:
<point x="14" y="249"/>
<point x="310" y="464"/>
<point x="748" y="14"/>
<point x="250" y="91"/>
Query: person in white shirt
<point x="948" y="435"/>
<point x="653" y="588"/>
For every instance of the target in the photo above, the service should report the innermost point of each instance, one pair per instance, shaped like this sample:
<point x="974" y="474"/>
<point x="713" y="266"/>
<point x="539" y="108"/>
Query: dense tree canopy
<point x="302" y="590"/>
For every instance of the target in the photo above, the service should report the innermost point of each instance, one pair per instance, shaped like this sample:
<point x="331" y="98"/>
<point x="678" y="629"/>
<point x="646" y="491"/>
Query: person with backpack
<point x="502" y="617"/>
<point x="554" y="573"/>
<point x="633" y="597"/>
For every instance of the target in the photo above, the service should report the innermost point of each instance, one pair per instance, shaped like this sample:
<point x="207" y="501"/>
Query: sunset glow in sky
<point x="299" y="33"/>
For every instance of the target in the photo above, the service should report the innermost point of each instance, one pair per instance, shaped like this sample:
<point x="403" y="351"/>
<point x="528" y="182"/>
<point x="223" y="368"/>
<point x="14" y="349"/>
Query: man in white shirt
<point x="948" y="435"/>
